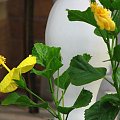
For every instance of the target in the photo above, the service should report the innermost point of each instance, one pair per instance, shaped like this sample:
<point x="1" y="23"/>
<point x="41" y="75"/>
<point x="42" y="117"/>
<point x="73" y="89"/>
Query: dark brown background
<point x="12" y="34"/>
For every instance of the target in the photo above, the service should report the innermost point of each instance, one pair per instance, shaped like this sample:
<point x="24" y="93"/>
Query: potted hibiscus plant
<point x="106" y="20"/>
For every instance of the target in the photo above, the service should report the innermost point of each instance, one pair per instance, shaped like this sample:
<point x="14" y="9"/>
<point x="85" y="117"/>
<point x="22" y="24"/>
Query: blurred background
<point x="19" y="21"/>
<point x="22" y="22"/>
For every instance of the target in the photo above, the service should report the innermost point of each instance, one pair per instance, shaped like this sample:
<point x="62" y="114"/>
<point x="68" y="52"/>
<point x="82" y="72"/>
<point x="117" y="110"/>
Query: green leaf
<point x="21" y="83"/>
<point x="116" y="55"/>
<point x="87" y="57"/>
<point x="65" y="110"/>
<point x="104" y="33"/>
<point x="106" y="3"/>
<point x="21" y="100"/>
<point x="111" y="4"/>
<point x="117" y="22"/>
<point x="100" y="112"/>
<point x="49" y="57"/>
<point x="117" y="75"/>
<point x="45" y="53"/>
<point x="45" y="73"/>
<point x="25" y="101"/>
<point x="110" y="98"/>
<point x="11" y="99"/>
<point x="81" y="72"/>
<point x="116" y="5"/>
<point x="42" y="105"/>
<point x="38" y="58"/>
<point x="63" y="81"/>
<point x="76" y="15"/>
<point x="92" y="0"/>
<point x="83" y="99"/>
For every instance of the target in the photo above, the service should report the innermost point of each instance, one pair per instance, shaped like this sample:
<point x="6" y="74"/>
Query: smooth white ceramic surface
<point x="75" y="38"/>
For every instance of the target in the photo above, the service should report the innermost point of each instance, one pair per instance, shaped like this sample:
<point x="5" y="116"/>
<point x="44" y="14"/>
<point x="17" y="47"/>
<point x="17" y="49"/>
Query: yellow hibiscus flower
<point x="8" y="84"/>
<point x="27" y="64"/>
<point x="103" y="17"/>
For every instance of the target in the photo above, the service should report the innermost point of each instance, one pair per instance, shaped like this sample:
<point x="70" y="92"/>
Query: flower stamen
<point x="3" y="61"/>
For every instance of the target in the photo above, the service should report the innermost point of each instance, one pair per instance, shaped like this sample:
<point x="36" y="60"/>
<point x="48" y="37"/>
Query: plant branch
<point x="51" y="112"/>
<point x="54" y="99"/>
<point x="51" y="109"/>
<point x="108" y="81"/>
<point x="52" y="92"/>
<point x="116" y="12"/>
<point x="63" y="104"/>
<point x="58" y="85"/>
<point x="67" y="116"/>
<point x="27" y="89"/>
<point x="63" y="93"/>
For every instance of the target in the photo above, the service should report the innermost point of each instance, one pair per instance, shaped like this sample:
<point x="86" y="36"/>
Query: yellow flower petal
<point x="103" y="17"/>
<point x="112" y="25"/>
<point x="2" y="59"/>
<point x="8" y="84"/>
<point x="27" y="64"/>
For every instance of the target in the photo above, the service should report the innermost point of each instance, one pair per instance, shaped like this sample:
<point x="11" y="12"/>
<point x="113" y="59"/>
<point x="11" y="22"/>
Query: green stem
<point x="27" y="89"/>
<point x="54" y="99"/>
<point x="117" y="65"/>
<point x="58" y="85"/>
<point x="116" y="40"/>
<point x="109" y="81"/>
<point x="113" y="43"/>
<point x="52" y="92"/>
<point x="116" y="83"/>
<point x="115" y="70"/>
<point x="62" y="96"/>
<point x="51" y="112"/>
<point x="113" y="67"/>
<point x="110" y="54"/>
<point x="116" y="12"/>
<point x="63" y="104"/>
<point x="59" y="116"/>
<point x="108" y="46"/>
<point x="116" y="45"/>
<point x="67" y="116"/>
<point x="49" y="107"/>
<point x="114" y="76"/>
<point x="110" y="51"/>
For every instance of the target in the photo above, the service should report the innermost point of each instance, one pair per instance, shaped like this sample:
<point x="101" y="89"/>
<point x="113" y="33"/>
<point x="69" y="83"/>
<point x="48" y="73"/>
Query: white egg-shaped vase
<point x="75" y="38"/>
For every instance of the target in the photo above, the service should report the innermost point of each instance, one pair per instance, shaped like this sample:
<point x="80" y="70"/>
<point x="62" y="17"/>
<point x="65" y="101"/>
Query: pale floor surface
<point x="16" y="113"/>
